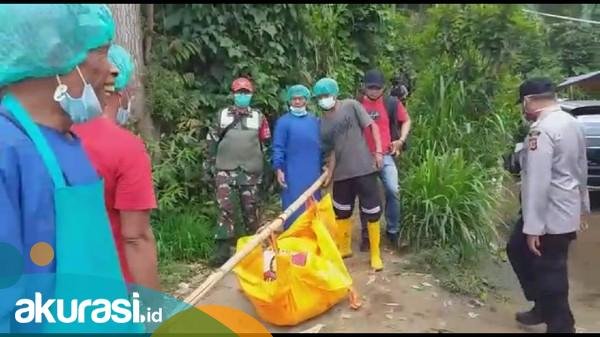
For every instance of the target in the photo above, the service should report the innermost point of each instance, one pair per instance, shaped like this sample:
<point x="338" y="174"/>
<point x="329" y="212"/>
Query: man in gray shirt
<point x="553" y="196"/>
<point x="355" y="169"/>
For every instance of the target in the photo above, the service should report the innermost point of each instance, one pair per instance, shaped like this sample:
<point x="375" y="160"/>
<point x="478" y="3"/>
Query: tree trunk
<point x="129" y="34"/>
<point x="149" y="31"/>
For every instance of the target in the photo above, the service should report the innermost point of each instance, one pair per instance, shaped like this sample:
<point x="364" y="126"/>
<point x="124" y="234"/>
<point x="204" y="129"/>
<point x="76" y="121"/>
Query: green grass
<point x="185" y="239"/>
<point x="450" y="203"/>
<point x="184" y="235"/>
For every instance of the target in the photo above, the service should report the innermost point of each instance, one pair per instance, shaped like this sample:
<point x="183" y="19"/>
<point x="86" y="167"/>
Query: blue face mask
<point x="298" y="112"/>
<point x="81" y="109"/>
<point x="242" y="100"/>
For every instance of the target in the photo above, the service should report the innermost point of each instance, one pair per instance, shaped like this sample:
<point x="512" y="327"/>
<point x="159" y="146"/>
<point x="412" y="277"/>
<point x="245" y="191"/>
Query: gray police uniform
<point x="553" y="196"/>
<point x="554" y="186"/>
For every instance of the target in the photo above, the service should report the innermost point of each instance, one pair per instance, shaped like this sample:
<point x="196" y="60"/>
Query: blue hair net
<point x="298" y="90"/>
<point x="44" y="40"/>
<point x="121" y="59"/>
<point x="326" y="86"/>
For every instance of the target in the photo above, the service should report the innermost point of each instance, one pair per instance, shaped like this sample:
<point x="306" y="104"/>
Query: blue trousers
<point x="389" y="177"/>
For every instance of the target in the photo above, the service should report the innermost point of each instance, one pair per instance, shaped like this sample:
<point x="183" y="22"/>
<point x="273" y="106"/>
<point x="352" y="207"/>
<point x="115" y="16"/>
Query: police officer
<point x="554" y="196"/>
<point x="237" y="137"/>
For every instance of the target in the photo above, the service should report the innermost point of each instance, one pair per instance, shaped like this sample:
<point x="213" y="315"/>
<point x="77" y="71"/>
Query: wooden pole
<point x="276" y="224"/>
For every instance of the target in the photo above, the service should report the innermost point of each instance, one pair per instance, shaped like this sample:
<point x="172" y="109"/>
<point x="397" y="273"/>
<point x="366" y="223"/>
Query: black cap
<point x="374" y="77"/>
<point x="536" y="86"/>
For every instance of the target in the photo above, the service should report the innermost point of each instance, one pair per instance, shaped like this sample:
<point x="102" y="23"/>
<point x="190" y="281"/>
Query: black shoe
<point x="531" y="317"/>
<point x="551" y="329"/>
<point x="222" y="254"/>
<point x="393" y="238"/>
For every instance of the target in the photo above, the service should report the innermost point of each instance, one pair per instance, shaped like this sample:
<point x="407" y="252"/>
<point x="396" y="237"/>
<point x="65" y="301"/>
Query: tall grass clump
<point x="449" y="202"/>
<point x="184" y="235"/>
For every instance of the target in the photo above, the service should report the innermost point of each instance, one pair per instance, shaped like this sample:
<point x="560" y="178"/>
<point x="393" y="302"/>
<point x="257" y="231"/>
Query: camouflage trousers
<point x="246" y="186"/>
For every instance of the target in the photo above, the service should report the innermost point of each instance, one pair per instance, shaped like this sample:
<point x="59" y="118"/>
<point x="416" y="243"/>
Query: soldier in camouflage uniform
<point x="237" y="138"/>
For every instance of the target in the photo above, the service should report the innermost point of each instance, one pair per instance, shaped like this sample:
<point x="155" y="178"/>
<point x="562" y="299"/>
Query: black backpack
<point x="391" y="105"/>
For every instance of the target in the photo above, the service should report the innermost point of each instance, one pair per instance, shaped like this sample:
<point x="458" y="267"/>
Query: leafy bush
<point x="578" y="47"/>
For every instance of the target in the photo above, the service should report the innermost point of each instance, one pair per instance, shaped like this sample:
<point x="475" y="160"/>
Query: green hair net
<point x="121" y="59"/>
<point x="298" y="90"/>
<point x="326" y="86"/>
<point x="44" y="40"/>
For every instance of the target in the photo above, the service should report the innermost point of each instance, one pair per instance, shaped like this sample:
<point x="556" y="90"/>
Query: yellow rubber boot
<point x="374" y="240"/>
<point x="344" y="237"/>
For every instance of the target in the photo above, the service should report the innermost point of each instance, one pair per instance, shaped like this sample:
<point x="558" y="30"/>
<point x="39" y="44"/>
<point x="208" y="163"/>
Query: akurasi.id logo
<point x="100" y="311"/>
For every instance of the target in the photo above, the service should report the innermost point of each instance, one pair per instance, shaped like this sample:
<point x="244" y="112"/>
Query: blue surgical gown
<point x="297" y="152"/>
<point x="27" y="195"/>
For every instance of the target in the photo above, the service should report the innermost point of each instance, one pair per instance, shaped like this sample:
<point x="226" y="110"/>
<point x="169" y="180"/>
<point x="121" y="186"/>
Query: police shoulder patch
<point x="533" y="136"/>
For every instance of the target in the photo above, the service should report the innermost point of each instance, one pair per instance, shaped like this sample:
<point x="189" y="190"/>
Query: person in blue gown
<point x="296" y="150"/>
<point x="55" y="65"/>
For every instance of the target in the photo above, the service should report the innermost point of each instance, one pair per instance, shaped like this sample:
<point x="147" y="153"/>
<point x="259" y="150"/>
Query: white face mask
<point x="301" y="111"/>
<point x="327" y="103"/>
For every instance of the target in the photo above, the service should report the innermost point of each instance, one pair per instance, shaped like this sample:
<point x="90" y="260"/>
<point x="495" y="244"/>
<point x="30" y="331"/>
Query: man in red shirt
<point x="121" y="159"/>
<point x="392" y="142"/>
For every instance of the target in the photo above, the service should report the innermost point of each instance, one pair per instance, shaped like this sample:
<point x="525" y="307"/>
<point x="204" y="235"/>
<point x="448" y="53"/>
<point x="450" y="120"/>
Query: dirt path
<point x="392" y="304"/>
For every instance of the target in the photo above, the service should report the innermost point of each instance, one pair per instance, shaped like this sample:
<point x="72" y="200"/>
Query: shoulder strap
<point x="33" y="131"/>
<point x="231" y="125"/>
<point x="391" y="105"/>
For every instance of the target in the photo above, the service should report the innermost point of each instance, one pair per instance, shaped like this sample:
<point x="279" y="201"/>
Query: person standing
<point x="237" y="138"/>
<point x="123" y="162"/>
<point x="296" y="150"/>
<point x="388" y="113"/>
<point x="355" y="166"/>
<point x="400" y="88"/>
<point x="55" y="67"/>
<point x="554" y="199"/>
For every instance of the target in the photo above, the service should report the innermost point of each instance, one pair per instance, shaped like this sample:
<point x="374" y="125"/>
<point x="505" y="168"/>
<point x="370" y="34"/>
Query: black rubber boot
<point x="222" y="254"/>
<point x="531" y="317"/>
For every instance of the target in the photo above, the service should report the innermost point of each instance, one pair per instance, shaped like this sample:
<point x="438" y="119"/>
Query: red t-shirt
<point x="378" y="112"/>
<point x="121" y="159"/>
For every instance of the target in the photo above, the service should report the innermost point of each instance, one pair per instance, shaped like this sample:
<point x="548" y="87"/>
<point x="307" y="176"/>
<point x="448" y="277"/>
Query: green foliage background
<point x="466" y="62"/>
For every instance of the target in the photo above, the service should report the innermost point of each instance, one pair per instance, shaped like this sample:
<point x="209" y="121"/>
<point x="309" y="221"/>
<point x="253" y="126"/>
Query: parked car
<point x="588" y="114"/>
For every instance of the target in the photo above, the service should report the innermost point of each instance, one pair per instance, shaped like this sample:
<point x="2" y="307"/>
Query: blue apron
<point x="87" y="265"/>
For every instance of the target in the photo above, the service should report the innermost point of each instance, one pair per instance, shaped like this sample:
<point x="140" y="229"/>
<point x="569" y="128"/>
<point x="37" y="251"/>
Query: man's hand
<point x="533" y="242"/>
<point x="281" y="178"/>
<point x="397" y="147"/>
<point x="327" y="180"/>
<point x="584" y="222"/>
<point x="378" y="160"/>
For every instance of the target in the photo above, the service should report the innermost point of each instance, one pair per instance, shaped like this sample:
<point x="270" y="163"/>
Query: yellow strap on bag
<point x="304" y="289"/>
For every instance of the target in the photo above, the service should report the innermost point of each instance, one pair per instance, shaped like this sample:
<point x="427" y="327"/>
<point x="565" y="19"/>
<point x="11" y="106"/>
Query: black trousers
<point x="544" y="279"/>
<point x="366" y="188"/>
